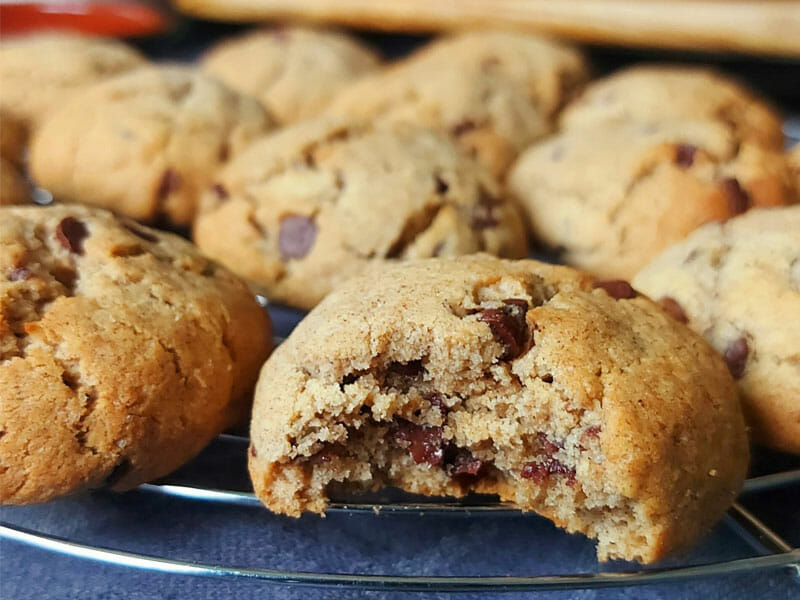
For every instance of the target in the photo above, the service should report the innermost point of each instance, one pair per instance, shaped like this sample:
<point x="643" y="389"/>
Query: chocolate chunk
<point x="20" y="274"/>
<point x="253" y="452"/>
<point x="673" y="309"/>
<point x="170" y="182"/>
<point x="220" y="191"/>
<point x="410" y="369"/>
<point x="736" y="357"/>
<point x="538" y="472"/>
<point x="441" y="185"/>
<point x="71" y="234"/>
<point x="738" y="199"/>
<point x="684" y="155"/>
<point x="617" y="288"/>
<point x="296" y="236"/>
<point x="437" y="401"/>
<point x="508" y="326"/>
<point x="424" y="442"/>
<point x="483" y="215"/>
<point x="593" y="431"/>
<point x="463" y="463"/>
<point x="140" y="233"/>
<point x="463" y="127"/>
<point x="548" y="378"/>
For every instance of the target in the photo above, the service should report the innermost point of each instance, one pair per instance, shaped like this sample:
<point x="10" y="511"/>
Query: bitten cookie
<point x="37" y="72"/>
<point x="614" y="196"/>
<point x="571" y="397"/>
<point x="738" y="284"/>
<point x="304" y="209"/>
<point x="294" y="71"/>
<point x="653" y="93"/>
<point x="493" y="92"/>
<point x="150" y="142"/>
<point x="123" y="351"/>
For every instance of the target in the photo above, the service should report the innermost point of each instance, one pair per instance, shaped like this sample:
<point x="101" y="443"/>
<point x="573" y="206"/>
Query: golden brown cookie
<point x="571" y="397"/>
<point x="123" y="352"/>
<point x="652" y="93"/>
<point x="149" y="145"/>
<point x="38" y="72"/>
<point x="738" y="284"/>
<point x="614" y="196"/>
<point x="493" y="92"/>
<point x="293" y="71"/>
<point x="302" y="210"/>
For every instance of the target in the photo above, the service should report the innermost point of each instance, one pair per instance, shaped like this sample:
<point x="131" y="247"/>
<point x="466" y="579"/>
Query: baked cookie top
<point x="613" y="196"/>
<point x="293" y="71"/>
<point x="665" y="92"/>
<point x="38" y="71"/>
<point x="493" y="92"/>
<point x="303" y="209"/>
<point x="738" y="283"/>
<point x="123" y="351"/>
<point x="575" y="398"/>
<point x="150" y="143"/>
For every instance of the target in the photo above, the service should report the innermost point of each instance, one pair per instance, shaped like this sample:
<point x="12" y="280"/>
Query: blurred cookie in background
<point x="738" y="284"/>
<point x="612" y="197"/>
<point x="305" y="208"/>
<point x="293" y="71"/>
<point x="492" y="92"/>
<point x="146" y="143"/>
<point x="38" y="72"/>
<point x="666" y="92"/>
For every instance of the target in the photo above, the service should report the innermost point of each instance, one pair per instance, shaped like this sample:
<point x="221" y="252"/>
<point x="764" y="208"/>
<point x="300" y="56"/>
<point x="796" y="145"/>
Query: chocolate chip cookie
<point x="493" y="92"/>
<point x="614" y="196"/>
<point x="123" y="351"/>
<point x="145" y="143"/>
<point x="738" y="284"/>
<point x="663" y="92"/>
<point x="302" y="210"/>
<point x="294" y="71"/>
<point x="574" y="398"/>
<point x="38" y="72"/>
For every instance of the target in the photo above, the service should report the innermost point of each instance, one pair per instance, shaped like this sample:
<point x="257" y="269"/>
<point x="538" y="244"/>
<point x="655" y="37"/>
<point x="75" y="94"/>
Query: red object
<point x="102" y="18"/>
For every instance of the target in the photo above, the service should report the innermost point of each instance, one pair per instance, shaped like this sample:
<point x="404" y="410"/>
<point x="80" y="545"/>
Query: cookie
<point x="652" y="93"/>
<point x="304" y="209"/>
<point x="612" y="197"/>
<point x="571" y="397"/>
<point x="37" y="72"/>
<point x="150" y="143"/>
<point x="293" y="71"/>
<point x="493" y="92"/>
<point x="123" y="352"/>
<point x="13" y="187"/>
<point x="738" y="284"/>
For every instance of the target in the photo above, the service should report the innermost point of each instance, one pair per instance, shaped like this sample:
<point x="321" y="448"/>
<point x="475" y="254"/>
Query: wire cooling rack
<point x="770" y="550"/>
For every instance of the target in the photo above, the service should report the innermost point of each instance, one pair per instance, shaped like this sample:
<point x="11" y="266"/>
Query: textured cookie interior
<point x="422" y="426"/>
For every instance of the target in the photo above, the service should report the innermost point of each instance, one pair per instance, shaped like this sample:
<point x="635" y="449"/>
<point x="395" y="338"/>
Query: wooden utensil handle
<point x="770" y="27"/>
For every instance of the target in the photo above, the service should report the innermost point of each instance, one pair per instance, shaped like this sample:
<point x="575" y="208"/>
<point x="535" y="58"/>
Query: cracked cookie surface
<point x="575" y="398"/>
<point x="37" y="72"/>
<point x="149" y="143"/>
<point x="650" y="93"/>
<point x="492" y="92"/>
<point x="293" y="71"/>
<point x="302" y="210"/>
<point x="614" y="196"/>
<point x="738" y="284"/>
<point x="123" y="352"/>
